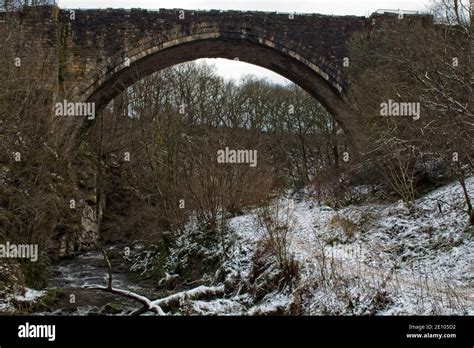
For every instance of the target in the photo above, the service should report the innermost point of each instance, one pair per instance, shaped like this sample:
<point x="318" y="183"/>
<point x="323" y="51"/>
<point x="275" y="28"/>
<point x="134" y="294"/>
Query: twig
<point x="109" y="268"/>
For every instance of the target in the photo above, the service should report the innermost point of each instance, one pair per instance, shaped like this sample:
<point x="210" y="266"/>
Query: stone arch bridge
<point x="93" y="55"/>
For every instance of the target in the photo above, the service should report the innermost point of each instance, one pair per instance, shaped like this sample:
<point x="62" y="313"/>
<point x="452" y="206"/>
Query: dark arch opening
<point x="247" y="51"/>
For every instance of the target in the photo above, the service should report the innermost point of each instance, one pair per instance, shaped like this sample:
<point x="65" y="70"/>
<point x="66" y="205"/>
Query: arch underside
<point x="247" y="51"/>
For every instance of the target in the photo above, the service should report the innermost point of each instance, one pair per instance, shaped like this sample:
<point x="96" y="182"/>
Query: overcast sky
<point x="231" y="69"/>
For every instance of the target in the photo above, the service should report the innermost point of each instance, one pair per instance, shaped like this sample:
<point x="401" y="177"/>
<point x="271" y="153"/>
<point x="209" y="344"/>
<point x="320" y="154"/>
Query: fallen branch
<point x="156" y="305"/>
<point x="196" y="293"/>
<point x="147" y="304"/>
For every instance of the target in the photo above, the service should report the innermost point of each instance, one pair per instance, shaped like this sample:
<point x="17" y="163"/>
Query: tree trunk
<point x="471" y="61"/>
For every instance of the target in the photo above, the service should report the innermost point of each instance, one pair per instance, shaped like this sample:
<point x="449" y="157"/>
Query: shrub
<point x="276" y="225"/>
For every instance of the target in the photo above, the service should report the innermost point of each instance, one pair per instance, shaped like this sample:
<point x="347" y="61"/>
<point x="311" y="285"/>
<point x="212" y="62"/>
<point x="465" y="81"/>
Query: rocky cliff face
<point x="87" y="206"/>
<point x="82" y="235"/>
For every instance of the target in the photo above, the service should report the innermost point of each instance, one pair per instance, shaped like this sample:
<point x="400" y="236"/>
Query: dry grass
<point x="347" y="225"/>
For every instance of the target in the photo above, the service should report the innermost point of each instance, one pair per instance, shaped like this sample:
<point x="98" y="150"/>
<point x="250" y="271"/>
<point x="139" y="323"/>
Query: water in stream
<point x="69" y="276"/>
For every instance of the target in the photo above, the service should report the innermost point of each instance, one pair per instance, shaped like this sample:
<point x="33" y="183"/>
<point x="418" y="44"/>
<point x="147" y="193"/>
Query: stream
<point x="69" y="276"/>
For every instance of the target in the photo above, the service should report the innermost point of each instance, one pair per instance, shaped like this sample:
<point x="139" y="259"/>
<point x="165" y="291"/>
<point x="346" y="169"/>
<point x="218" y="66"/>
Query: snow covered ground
<point x="382" y="259"/>
<point x="368" y="259"/>
<point x="25" y="295"/>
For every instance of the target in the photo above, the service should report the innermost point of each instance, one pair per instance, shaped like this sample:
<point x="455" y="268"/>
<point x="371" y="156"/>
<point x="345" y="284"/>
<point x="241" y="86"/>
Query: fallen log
<point x="156" y="306"/>
<point x="148" y="305"/>
<point x="193" y="294"/>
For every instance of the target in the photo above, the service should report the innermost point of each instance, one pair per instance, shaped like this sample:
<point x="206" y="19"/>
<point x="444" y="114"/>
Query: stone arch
<point x="147" y="56"/>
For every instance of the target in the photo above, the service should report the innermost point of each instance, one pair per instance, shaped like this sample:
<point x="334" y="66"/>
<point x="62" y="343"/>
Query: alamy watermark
<point x="393" y="108"/>
<point x="66" y="108"/>
<point x="28" y="330"/>
<point x="19" y="251"/>
<point x="237" y="156"/>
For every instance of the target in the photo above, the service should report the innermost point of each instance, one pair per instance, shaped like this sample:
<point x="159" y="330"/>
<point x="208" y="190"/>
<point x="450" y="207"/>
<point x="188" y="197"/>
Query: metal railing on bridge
<point x="403" y="12"/>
